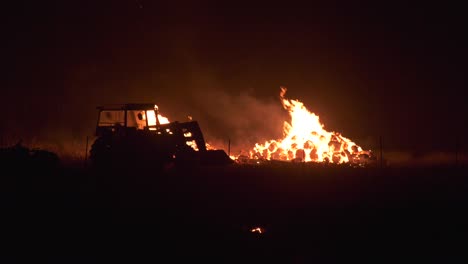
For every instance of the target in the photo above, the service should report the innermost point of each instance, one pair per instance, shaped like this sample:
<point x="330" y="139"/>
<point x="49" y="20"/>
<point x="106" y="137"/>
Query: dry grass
<point x="71" y="152"/>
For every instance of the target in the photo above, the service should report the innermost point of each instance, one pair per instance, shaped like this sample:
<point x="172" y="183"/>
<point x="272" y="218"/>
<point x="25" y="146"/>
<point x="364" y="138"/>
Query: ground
<point x="308" y="213"/>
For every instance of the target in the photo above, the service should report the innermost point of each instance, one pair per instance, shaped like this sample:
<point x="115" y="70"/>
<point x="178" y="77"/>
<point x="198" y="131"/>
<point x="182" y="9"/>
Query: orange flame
<point x="305" y="139"/>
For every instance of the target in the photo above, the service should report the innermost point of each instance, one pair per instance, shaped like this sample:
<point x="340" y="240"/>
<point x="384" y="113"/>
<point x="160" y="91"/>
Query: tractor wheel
<point x="101" y="153"/>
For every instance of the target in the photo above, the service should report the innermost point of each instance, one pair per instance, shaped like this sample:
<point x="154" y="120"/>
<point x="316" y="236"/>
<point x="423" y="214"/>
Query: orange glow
<point x="209" y="147"/>
<point x="192" y="144"/>
<point x="305" y="139"/>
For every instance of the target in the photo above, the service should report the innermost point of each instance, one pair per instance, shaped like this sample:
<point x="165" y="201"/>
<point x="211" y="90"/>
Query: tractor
<point x="136" y="136"/>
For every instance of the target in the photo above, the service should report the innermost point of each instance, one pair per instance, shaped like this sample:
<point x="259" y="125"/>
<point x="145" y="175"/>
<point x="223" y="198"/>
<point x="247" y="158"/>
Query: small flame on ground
<point x="258" y="230"/>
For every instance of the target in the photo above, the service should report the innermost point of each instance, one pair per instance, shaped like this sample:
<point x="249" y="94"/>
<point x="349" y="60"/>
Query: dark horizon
<point x="391" y="71"/>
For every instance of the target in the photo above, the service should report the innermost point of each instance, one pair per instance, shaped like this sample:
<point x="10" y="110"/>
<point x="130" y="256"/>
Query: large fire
<point x="305" y="139"/>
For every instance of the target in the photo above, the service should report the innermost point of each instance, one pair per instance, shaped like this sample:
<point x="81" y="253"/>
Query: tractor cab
<point x="129" y="117"/>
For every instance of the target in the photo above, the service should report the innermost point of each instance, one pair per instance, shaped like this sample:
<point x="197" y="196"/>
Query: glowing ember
<point x="305" y="139"/>
<point x="192" y="144"/>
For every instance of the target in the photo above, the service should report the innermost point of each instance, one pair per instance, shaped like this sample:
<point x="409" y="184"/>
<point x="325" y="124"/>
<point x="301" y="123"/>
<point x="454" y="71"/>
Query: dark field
<point x="309" y="214"/>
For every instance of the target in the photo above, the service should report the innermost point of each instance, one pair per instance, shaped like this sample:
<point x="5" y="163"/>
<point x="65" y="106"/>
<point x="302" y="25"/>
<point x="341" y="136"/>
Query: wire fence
<point x="76" y="151"/>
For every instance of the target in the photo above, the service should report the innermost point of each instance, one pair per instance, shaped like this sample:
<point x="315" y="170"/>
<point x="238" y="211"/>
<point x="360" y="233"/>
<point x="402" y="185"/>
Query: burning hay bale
<point x="306" y="140"/>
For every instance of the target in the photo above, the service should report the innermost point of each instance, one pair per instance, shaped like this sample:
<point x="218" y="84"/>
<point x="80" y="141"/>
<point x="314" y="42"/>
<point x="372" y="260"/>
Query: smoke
<point x="241" y="119"/>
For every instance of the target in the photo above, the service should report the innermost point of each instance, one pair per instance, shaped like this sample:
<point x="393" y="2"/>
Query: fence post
<point x="381" y="155"/>
<point x="86" y="152"/>
<point x="456" y="150"/>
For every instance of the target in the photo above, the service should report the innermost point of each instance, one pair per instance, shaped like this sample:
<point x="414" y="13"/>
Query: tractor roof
<point x="130" y="106"/>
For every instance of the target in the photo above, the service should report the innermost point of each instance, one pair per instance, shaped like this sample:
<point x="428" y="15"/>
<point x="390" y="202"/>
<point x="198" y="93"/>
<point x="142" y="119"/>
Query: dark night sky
<point x="392" y="70"/>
